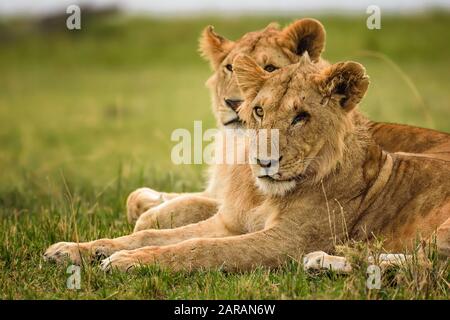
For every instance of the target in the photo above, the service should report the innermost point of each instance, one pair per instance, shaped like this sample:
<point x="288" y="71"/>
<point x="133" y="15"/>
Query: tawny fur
<point x="278" y="48"/>
<point x="353" y="189"/>
<point x="270" y="46"/>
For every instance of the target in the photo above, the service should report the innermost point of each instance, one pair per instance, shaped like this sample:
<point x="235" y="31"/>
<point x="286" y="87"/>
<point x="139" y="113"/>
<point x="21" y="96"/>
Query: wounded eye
<point x="258" y="112"/>
<point x="229" y="67"/>
<point x="301" y="117"/>
<point x="270" y="68"/>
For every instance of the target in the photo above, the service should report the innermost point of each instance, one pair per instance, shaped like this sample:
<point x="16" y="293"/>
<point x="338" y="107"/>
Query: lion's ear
<point x="305" y="35"/>
<point x="250" y="77"/>
<point x="346" y="82"/>
<point x="214" y="47"/>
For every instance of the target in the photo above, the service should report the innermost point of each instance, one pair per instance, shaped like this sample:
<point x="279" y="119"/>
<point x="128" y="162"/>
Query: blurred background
<point x="95" y="107"/>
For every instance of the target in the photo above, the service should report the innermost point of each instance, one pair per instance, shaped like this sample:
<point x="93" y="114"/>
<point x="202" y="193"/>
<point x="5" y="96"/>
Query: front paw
<point x="100" y="249"/>
<point x="65" y="251"/>
<point x="142" y="200"/>
<point x="122" y="260"/>
<point x="314" y="260"/>
<point x="319" y="260"/>
<point x="126" y="260"/>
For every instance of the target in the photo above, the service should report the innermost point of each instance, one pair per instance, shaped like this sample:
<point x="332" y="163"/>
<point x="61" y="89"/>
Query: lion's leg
<point x="178" y="212"/>
<point x="211" y="228"/>
<point x="443" y="238"/>
<point x="143" y="199"/>
<point x="263" y="248"/>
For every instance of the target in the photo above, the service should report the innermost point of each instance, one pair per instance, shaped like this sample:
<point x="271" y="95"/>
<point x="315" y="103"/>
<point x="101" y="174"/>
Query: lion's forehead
<point x="263" y="48"/>
<point x="292" y="81"/>
<point x="256" y="36"/>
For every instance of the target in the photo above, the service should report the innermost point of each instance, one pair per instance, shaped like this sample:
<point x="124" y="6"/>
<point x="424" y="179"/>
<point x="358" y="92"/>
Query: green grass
<point x="86" y="117"/>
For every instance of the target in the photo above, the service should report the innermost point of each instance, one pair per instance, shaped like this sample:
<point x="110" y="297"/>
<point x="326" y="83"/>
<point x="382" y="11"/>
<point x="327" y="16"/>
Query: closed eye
<point x="301" y="117"/>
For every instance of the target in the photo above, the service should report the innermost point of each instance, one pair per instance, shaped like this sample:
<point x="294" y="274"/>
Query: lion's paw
<point x="122" y="260"/>
<point x="142" y="200"/>
<point x="100" y="252"/>
<point x="314" y="260"/>
<point x="64" y="251"/>
<point x="319" y="260"/>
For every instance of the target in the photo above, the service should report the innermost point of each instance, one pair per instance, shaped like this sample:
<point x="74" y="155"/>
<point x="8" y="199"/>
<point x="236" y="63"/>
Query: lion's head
<point x="271" y="48"/>
<point x="312" y="106"/>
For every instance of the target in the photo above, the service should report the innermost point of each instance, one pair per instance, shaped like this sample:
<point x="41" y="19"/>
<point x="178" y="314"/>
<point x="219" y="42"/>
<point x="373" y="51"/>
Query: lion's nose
<point x="267" y="163"/>
<point x="233" y="104"/>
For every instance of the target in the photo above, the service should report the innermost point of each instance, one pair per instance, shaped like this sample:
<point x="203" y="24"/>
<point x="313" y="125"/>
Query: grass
<point x="86" y="117"/>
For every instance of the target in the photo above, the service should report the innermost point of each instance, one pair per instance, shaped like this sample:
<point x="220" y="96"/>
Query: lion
<point x="328" y="163"/>
<point x="272" y="49"/>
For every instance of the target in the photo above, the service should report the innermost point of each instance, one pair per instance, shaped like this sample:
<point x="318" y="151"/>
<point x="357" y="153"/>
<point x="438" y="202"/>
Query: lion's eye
<point x="258" y="112"/>
<point x="229" y="67"/>
<point x="301" y="117"/>
<point x="270" y="68"/>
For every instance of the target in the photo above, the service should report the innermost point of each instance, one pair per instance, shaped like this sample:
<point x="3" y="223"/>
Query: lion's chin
<point x="273" y="187"/>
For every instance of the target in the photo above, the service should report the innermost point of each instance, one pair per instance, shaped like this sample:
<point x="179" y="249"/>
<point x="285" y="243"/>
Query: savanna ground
<point x="86" y="117"/>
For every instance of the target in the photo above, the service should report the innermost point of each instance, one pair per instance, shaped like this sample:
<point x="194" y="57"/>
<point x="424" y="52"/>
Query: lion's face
<point x="270" y="48"/>
<point x="311" y="106"/>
